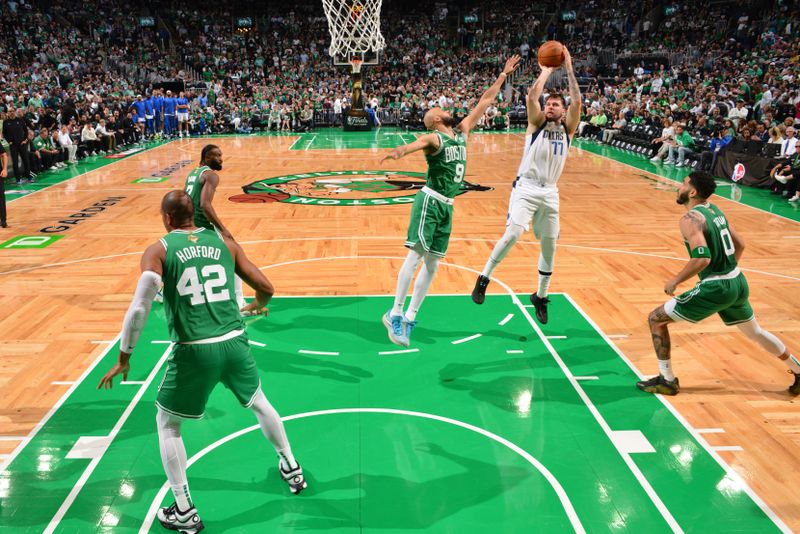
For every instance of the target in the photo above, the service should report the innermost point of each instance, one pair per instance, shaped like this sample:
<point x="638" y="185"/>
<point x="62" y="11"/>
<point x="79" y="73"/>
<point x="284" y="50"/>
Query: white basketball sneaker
<point x="187" y="522"/>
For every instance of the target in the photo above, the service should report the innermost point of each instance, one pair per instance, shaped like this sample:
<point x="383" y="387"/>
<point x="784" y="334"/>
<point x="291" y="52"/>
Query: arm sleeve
<point x="136" y="317"/>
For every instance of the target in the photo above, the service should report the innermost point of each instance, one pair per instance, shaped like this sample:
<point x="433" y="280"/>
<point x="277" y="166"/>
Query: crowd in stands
<point x="71" y="73"/>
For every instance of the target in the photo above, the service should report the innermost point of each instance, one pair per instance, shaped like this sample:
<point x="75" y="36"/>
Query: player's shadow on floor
<point x="500" y="391"/>
<point x="379" y="501"/>
<point x="299" y="364"/>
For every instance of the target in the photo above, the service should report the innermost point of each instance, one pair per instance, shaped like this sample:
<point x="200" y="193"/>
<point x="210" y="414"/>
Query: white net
<point x="355" y="27"/>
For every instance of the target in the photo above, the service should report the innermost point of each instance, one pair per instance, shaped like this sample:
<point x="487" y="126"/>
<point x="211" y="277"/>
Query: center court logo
<point x="341" y="188"/>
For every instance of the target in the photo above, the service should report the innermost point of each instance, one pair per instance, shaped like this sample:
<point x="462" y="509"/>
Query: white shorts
<point x="530" y="202"/>
<point x="183" y="117"/>
<point x="140" y="119"/>
<point x="149" y="117"/>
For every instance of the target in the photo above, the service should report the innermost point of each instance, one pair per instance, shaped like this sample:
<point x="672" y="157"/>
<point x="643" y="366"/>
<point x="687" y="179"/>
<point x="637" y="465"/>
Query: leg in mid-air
<point x="501" y="249"/>
<point x="399" y="324"/>
<point x="539" y="299"/>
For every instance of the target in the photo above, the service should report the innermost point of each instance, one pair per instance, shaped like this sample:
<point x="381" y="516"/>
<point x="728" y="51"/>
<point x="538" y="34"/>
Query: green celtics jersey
<point x="199" y="297"/>
<point x="446" y="166"/>
<point x="719" y="240"/>
<point x="195" y="188"/>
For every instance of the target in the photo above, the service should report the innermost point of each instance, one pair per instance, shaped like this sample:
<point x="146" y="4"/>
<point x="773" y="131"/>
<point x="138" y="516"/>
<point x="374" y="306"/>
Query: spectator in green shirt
<point x="44" y="154"/>
<point x="684" y="144"/>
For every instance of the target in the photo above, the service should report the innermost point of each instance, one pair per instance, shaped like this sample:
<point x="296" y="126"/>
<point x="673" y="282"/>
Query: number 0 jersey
<point x="719" y="240"/>
<point x="446" y="166"/>
<point x="545" y="154"/>
<point x="199" y="297"/>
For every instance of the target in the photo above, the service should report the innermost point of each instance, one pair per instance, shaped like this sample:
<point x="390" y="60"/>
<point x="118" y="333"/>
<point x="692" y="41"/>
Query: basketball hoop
<point x="355" y="63"/>
<point x="355" y="28"/>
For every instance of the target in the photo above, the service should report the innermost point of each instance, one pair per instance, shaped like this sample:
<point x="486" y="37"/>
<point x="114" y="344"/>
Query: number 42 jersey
<point x="199" y="297"/>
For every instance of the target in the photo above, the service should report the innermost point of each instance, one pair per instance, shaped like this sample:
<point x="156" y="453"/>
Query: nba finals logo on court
<point x="342" y="188"/>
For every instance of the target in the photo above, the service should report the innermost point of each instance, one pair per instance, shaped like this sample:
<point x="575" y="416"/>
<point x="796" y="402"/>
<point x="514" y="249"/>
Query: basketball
<point x="258" y="198"/>
<point x="551" y="54"/>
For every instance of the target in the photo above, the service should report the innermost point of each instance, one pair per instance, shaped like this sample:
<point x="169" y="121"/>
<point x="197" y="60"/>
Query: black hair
<point x="179" y="205"/>
<point x="206" y="150"/>
<point x="703" y="183"/>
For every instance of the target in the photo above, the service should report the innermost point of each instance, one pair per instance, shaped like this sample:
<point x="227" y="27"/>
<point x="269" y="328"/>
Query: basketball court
<point x="489" y="420"/>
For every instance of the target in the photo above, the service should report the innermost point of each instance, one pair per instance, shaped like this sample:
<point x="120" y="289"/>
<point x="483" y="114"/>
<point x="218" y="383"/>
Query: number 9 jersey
<point x="199" y="297"/>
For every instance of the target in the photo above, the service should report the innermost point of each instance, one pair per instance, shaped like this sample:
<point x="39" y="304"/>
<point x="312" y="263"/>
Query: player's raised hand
<point x="511" y="64"/>
<point x="120" y="368"/>
<point x="567" y="59"/>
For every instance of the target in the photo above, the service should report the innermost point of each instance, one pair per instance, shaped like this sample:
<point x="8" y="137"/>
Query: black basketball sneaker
<point x="479" y="292"/>
<point x="794" y="389"/>
<point x="541" y="307"/>
<point x="659" y="384"/>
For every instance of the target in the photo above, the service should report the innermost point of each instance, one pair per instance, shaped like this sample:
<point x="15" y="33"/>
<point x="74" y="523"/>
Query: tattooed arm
<point x="693" y="227"/>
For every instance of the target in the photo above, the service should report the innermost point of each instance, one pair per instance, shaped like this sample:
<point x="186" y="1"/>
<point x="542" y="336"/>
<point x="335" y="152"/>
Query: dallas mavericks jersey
<point x="195" y="189"/>
<point x="199" y="297"/>
<point x="446" y="166"/>
<point x="545" y="154"/>
<point x="719" y="240"/>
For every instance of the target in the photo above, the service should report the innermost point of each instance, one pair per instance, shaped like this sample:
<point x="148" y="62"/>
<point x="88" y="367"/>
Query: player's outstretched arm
<point x="535" y="114"/>
<point x="574" y="111"/>
<point x="210" y="183"/>
<point x="471" y="120"/>
<point x="253" y="277"/>
<point x="428" y="143"/>
<point x="152" y="265"/>
<point x="693" y="226"/>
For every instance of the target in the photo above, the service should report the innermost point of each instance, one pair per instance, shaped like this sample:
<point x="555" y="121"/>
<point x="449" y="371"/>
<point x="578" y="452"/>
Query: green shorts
<point x="193" y="372"/>
<point x="727" y="297"/>
<point x="430" y="225"/>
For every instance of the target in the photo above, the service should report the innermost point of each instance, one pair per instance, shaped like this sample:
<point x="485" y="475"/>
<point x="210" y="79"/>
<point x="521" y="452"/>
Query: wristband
<point x="503" y="74"/>
<point x="700" y="252"/>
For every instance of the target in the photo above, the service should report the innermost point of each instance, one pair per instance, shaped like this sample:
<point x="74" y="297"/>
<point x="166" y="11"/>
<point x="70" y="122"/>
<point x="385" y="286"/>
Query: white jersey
<point x="545" y="155"/>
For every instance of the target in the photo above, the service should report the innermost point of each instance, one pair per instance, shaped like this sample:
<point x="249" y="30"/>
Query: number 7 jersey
<point x="545" y="154"/>
<point x="199" y="298"/>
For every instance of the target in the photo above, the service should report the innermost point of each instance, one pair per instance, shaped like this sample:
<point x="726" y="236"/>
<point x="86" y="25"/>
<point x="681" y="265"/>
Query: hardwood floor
<point x="619" y="243"/>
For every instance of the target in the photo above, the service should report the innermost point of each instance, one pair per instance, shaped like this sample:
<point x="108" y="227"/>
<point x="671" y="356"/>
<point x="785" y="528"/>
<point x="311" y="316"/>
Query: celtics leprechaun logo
<point x="342" y="188"/>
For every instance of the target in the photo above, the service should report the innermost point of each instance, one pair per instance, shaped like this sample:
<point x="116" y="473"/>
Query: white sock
<point x="404" y="278"/>
<point x="173" y="456"/>
<point x="273" y="429"/>
<point x="502" y="248"/>
<point x="546" y="257"/>
<point x="665" y="368"/>
<point x="421" y="286"/>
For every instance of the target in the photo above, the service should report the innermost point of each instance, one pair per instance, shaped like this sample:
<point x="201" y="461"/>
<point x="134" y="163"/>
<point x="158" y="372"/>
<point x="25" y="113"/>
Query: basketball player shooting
<point x="445" y="151"/>
<point x="534" y="195"/>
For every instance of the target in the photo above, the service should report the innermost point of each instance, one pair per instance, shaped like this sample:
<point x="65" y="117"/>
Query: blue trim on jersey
<point x="535" y="134"/>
